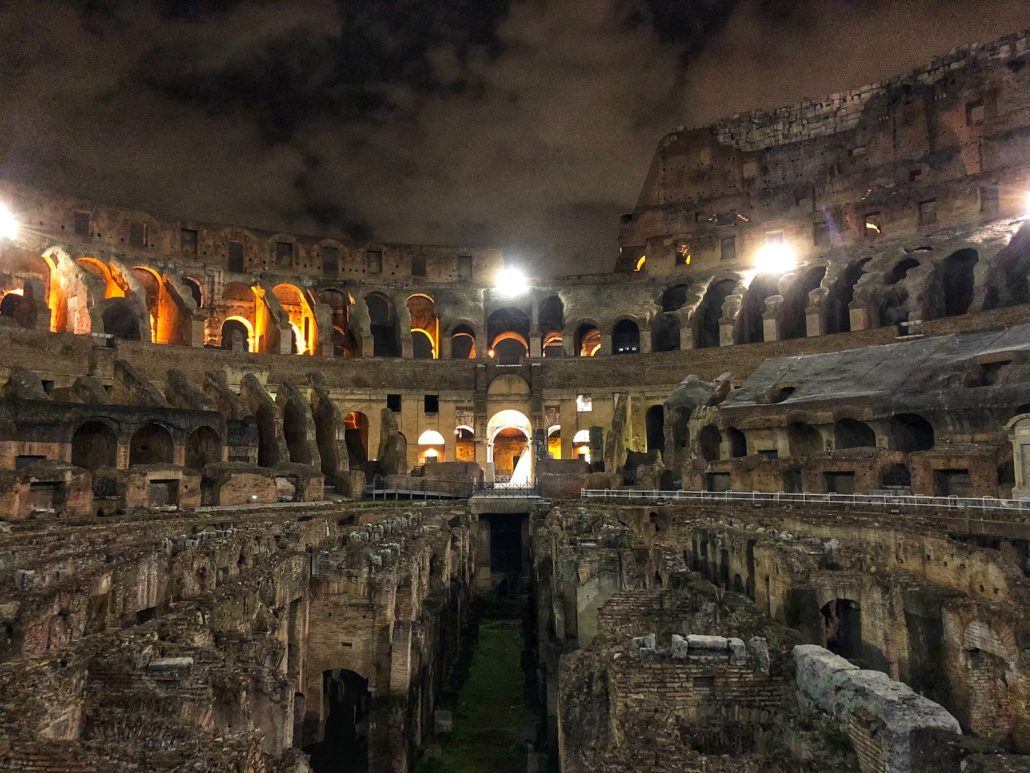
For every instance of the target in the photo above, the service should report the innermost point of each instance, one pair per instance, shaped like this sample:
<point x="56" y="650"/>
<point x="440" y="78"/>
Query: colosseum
<point x="754" y="498"/>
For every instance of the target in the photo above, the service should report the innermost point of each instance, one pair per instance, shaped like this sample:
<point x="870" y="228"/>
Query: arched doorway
<point x="793" y="311"/>
<point x="625" y="337"/>
<point x="346" y="701"/>
<point x="957" y="282"/>
<point x="430" y="447"/>
<point x="509" y="448"/>
<point x="151" y="444"/>
<point x="507" y="331"/>
<point x="751" y="319"/>
<point x="425" y="327"/>
<point x="463" y="342"/>
<point x="464" y="444"/>
<point x="842" y="627"/>
<point x="236" y="335"/>
<point x="355" y="431"/>
<point x="94" y="445"/>
<point x="203" y="446"/>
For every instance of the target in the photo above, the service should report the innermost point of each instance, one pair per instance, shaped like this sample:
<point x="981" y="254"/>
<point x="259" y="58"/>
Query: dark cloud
<point x="528" y="124"/>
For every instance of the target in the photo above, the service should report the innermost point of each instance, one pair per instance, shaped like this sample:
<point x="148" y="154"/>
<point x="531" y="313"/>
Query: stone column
<point x="862" y="317"/>
<point x="606" y="344"/>
<point x="725" y="332"/>
<point x="814" y="323"/>
<point x="535" y="344"/>
<point x="645" y="340"/>
<point x="368" y="346"/>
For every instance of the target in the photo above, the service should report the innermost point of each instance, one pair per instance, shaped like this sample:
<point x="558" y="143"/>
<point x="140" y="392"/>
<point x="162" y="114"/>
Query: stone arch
<point x="794" y="309"/>
<point x="674" y="298"/>
<point x="343" y="721"/>
<point x="911" y="432"/>
<point x="345" y="343"/>
<point x="301" y="316"/>
<point x="625" y="337"/>
<point x="463" y="341"/>
<point x="425" y="327"/>
<point x="837" y="307"/>
<point x="851" y="433"/>
<point x="94" y="445"/>
<point x="121" y="320"/>
<point x="237" y="335"/>
<point x="151" y="444"/>
<point x="587" y="340"/>
<point x="382" y="319"/>
<point x="709" y="313"/>
<point x="195" y="287"/>
<point x="750" y="327"/>
<point x="509" y="446"/>
<point x="203" y="447"/>
<point x="14" y="305"/>
<point x="507" y="330"/>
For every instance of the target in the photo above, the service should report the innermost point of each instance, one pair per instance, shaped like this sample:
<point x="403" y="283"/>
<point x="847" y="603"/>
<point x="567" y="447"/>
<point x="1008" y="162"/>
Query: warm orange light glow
<point x="640" y="263"/>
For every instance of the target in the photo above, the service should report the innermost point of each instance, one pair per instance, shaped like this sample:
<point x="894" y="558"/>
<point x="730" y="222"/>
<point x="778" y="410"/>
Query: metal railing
<point x="885" y="500"/>
<point x="429" y="488"/>
<point x="507" y="492"/>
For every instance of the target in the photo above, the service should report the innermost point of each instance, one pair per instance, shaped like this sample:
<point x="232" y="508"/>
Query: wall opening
<point x="94" y="445"/>
<point x="750" y="321"/>
<point x="842" y="628"/>
<point x="625" y="337"/>
<point x="850" y="433"/>
<point x="710" y="312"/>
<point x="203" y="446"/>
<point x="356" y="438"/>
<point x="957" y="282"/>
<point x="910" y="432"/>
<point x="121" y="321"/>
<point x="151" y="444"/>
<point x="804" y="439"/>
<point x="654" y="423"/>
<point x="346" y="701"/>
<point x="794" y="310"/>
<point x="382" y="325"/>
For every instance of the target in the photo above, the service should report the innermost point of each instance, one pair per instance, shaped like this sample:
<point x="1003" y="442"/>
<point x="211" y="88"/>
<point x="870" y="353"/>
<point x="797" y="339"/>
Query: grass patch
<point x="491" y="712"/>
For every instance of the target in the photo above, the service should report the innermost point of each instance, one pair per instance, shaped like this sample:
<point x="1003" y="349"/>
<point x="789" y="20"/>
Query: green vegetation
<point x="491" y="712"/>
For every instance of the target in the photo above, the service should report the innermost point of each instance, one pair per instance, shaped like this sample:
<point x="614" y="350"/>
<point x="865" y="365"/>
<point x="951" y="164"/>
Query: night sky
<point x="528" y="125"/>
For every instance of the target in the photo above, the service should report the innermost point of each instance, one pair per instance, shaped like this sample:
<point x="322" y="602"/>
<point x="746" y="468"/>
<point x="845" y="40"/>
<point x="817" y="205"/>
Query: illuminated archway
<point x="581" y="445"/>
<point x="554" y="441"/>
<point x="430" y="447"/>
<point x="301" y="317"/>
<point x="425" y="327"/>
<point x="464" y="443"/>
<point x="587" y="340"/>
<point x="237" y="335"/>
<point x="509" y="448"/>
<point x="463" y="342"/>
<point x="507" y="330"/>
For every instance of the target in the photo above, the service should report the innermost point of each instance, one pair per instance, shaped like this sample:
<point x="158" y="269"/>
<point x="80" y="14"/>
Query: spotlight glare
<point x="775" y="258"/>
<point x="511" y="282"/>
<point x="1026" y="206"/>
<point x="8" y="223"/>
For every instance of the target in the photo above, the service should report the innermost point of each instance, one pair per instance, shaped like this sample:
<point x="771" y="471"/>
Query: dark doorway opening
<point x="344" y="746"/>
<point x="842" y="627"/>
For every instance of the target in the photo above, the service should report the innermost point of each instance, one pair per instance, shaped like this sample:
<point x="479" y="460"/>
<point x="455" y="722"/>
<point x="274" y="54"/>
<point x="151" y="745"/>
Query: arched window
<point x="382" y="326"/>
<point x="17" y="307"/>
<point x="710" y="312"/>
<point x="551" y="315"/>
<point x="587" y="340"/>
<point x="625" y="337"/>
<point x="94" y="445"/>
<point x="151" y="444"/>
<point x="195" y="291"/>
<point x="910" y="432"/>
<point x="849" y="433"/>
